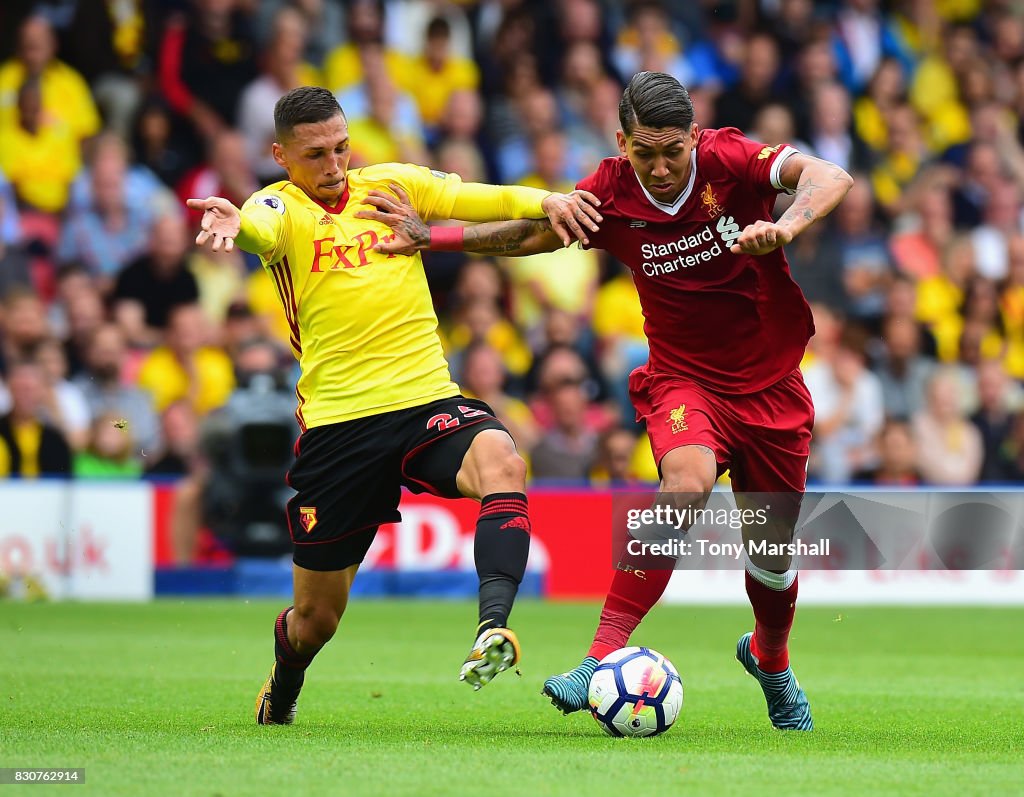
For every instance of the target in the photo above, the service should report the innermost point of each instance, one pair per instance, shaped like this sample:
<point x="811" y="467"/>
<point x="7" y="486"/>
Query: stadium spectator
<point x="994" y="420"/>
<point x="550" y="158"/>
<point x="886" y="91"/>
<point x="206" y="59"/>
<point x="863" y="256"/>
<point x="830" y="135"/>
<point x="106" y="392"/>
<point x="538" y="114"/>
<point x="85" y="314"/>
<point x="561" y="364"/>
<point x="383" y="119"/>
<point x="64" y="93"/>
<point x="974" y="330"/>
<point x="861" y="32"/>
<point x="621" y="345"/>
<point x="583" y="76"/>
<point x="902" y="369"/>
<point x="30" y="447"/>
<point x="1011" y="292"/>
<point x="38" y="152"/>
<point x="226" y="172"/>
<point x="109" y="44"/>
<point x="185" y="367"/>
<point x="935" y="89"/>
<point x="109" y="153"/>
<point x="982" y="174"/>
<point x="919" y="252"/>
<point x="109" y="453"/>
<point x="647" y="43"/>
<point x="591" y="136"/>
<point x="178" y="452"/>
<point x="849" y="411"/>
<point x="282" y="69"/>
<point x="897" y="459"/>
<point x="483" y="321"/>
<point x="774" y="124"/>
<point x="612" y="466"/>
<point x="904" y="155"/>
<point x="109" y="233"/>
<point x="738" y="105"/>
<point x="24" y="326"/>
<point x="160" y="145"/>
<point x="151" y="286"/>
<point x="440" y="72"/>
<point x="1001" y="221"/>
<point x="64" y="405"/>
<point x="566" y="450"/>
<point x="484" y="377"/>
<point x="324" y="21"/>
<point x="950" y="448"/>
<point x="344" y="66"/>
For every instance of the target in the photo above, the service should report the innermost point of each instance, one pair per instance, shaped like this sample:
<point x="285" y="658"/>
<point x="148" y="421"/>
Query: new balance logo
<point x="326" y="219"/>
<point x="636" y="224"/>
<point x="516" y="523"/>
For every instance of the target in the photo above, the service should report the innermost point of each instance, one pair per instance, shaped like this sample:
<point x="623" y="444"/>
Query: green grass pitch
<point x="158" y="699"/>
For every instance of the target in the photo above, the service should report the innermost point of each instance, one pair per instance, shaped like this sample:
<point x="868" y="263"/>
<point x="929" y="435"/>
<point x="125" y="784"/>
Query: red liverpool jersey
<point x="735" y="323"/>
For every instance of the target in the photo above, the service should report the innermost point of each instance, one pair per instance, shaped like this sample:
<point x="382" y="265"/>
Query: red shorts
<point x="763" y="439"/>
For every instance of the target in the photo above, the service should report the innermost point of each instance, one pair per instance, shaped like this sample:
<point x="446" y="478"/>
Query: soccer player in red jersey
<point x="689" y="211"/>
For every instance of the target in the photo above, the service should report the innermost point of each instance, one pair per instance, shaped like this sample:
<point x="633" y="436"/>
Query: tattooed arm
<point x="511" y="238"/>
<point x="820" y="186"/>
<point x="412" y="234"/>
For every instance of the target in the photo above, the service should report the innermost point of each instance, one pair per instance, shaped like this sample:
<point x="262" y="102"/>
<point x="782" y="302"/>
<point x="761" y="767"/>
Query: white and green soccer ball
<point x="635" y="692"/>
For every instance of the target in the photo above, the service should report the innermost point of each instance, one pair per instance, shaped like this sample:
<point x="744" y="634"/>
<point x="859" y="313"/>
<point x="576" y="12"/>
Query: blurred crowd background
<point x="125" y="352"/>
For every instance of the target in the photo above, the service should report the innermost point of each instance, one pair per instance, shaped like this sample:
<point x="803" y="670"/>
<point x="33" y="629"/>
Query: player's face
<point x="316" y="158"/>
<point x="661" y="158"/>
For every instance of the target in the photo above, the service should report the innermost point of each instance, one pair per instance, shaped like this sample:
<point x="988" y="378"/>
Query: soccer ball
<point x="635" y="692"/>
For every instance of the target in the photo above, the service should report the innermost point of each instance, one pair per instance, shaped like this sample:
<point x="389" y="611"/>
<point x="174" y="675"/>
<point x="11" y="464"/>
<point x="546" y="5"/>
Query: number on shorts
<point x="442" y="421"/>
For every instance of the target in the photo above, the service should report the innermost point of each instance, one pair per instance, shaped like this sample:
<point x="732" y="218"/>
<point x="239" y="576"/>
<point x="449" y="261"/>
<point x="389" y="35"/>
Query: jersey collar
<point x="339" y="206"/>
<point x="673" y="209"/>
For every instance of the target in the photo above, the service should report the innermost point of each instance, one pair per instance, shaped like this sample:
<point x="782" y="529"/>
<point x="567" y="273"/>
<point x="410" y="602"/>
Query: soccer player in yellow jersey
<point x="376" y="405"/>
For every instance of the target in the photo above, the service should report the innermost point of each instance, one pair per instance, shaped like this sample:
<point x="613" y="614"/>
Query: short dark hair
<point x="304" y="105"/>
<point x="439" y="27"/>
<point x="654" y="99"/>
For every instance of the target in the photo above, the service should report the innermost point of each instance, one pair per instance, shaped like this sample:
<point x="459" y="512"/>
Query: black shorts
<point x="348" y="476"/>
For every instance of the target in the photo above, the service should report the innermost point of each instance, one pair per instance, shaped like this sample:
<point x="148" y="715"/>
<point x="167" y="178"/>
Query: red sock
<point x="631" y="596"/>
<point x="773" y="618"/>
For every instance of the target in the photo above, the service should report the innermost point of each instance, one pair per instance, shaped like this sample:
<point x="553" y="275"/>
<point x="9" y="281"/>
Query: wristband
<point x="447" y="239"/>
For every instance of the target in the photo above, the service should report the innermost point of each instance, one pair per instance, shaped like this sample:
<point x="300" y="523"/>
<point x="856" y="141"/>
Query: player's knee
<point x="686" y="489"/>
<point x="314" y="626"/>
<point x="505" y="472"/>
<point x="498" y="467"/>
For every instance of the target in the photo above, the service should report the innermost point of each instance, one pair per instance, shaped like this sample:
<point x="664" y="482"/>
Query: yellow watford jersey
<point x="362" y="323"/>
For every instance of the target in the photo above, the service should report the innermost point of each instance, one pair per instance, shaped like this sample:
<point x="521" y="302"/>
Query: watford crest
<point x="307" y="516"/>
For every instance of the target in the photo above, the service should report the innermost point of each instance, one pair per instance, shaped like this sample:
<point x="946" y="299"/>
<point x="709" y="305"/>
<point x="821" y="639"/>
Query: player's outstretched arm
<point x="820" y="186"/>
<point x="412" y="234"/>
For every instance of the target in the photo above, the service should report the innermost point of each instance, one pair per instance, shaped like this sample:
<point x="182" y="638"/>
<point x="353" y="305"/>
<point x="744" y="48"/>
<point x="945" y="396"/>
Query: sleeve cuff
<point x="773" y="174"/>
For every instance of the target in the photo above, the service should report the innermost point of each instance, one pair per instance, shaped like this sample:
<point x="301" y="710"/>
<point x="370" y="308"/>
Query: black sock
<point x="501" y="548"/>
<point x="291" y="668"/>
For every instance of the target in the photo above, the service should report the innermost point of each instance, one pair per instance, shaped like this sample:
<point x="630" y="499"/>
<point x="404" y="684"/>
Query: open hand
<point x="221" y="222"/>
<point x="395" y="210"/>
<point x="760" y="238"/>
<point x="570" y="213"/>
